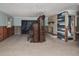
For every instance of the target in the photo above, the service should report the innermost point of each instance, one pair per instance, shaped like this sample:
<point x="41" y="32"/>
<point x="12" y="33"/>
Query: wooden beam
<point x="75" y="25"/>
<point x="66" y="26"/>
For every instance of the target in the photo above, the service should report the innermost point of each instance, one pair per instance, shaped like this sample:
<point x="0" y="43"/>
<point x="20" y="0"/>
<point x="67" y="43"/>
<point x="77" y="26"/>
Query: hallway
<point x="17" y="45"/>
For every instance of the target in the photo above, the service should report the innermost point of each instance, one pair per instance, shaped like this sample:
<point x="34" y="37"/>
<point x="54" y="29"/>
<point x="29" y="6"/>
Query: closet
<point x="66" y="26"/>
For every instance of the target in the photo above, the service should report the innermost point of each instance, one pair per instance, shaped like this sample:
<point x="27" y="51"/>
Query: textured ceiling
<point x="35" y="9"/>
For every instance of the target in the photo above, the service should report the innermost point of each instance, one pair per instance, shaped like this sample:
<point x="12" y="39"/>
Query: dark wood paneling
<point x="10" y="31"/>
<point x="1" y="33"/>
<point x="5" y="32"/>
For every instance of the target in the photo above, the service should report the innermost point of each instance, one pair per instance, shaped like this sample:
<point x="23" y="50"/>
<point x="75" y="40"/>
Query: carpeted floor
<point x="17" y="45"/>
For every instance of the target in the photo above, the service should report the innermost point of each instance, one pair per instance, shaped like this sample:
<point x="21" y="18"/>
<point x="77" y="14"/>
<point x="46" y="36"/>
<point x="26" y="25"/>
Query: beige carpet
<point x="18" y="45"/>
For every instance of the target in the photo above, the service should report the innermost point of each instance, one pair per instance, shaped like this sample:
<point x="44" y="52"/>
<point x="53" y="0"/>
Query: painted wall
<point x="1" y="21"/>
<point x="17" y="20"/>
<point x="46" y="21"/>
<point x="4" y="19"/>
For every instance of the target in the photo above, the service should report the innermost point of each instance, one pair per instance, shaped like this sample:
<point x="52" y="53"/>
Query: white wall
<point x="46" y="21"/>
<point x="4" y="19"/>
<point x="17" y="20"/>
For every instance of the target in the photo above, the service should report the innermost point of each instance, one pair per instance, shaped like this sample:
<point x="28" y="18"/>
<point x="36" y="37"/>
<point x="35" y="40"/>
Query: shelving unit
<point x="66" y="26"/>
<point x="61" y="26"/>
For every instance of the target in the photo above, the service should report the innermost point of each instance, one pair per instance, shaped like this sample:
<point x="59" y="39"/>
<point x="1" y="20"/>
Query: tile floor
<point x="17" y="45"/>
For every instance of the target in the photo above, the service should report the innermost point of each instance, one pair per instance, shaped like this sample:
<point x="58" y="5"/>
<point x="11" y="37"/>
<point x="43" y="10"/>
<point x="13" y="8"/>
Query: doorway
<point x="26" y="26"/>
<point x="23" y="26"/>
